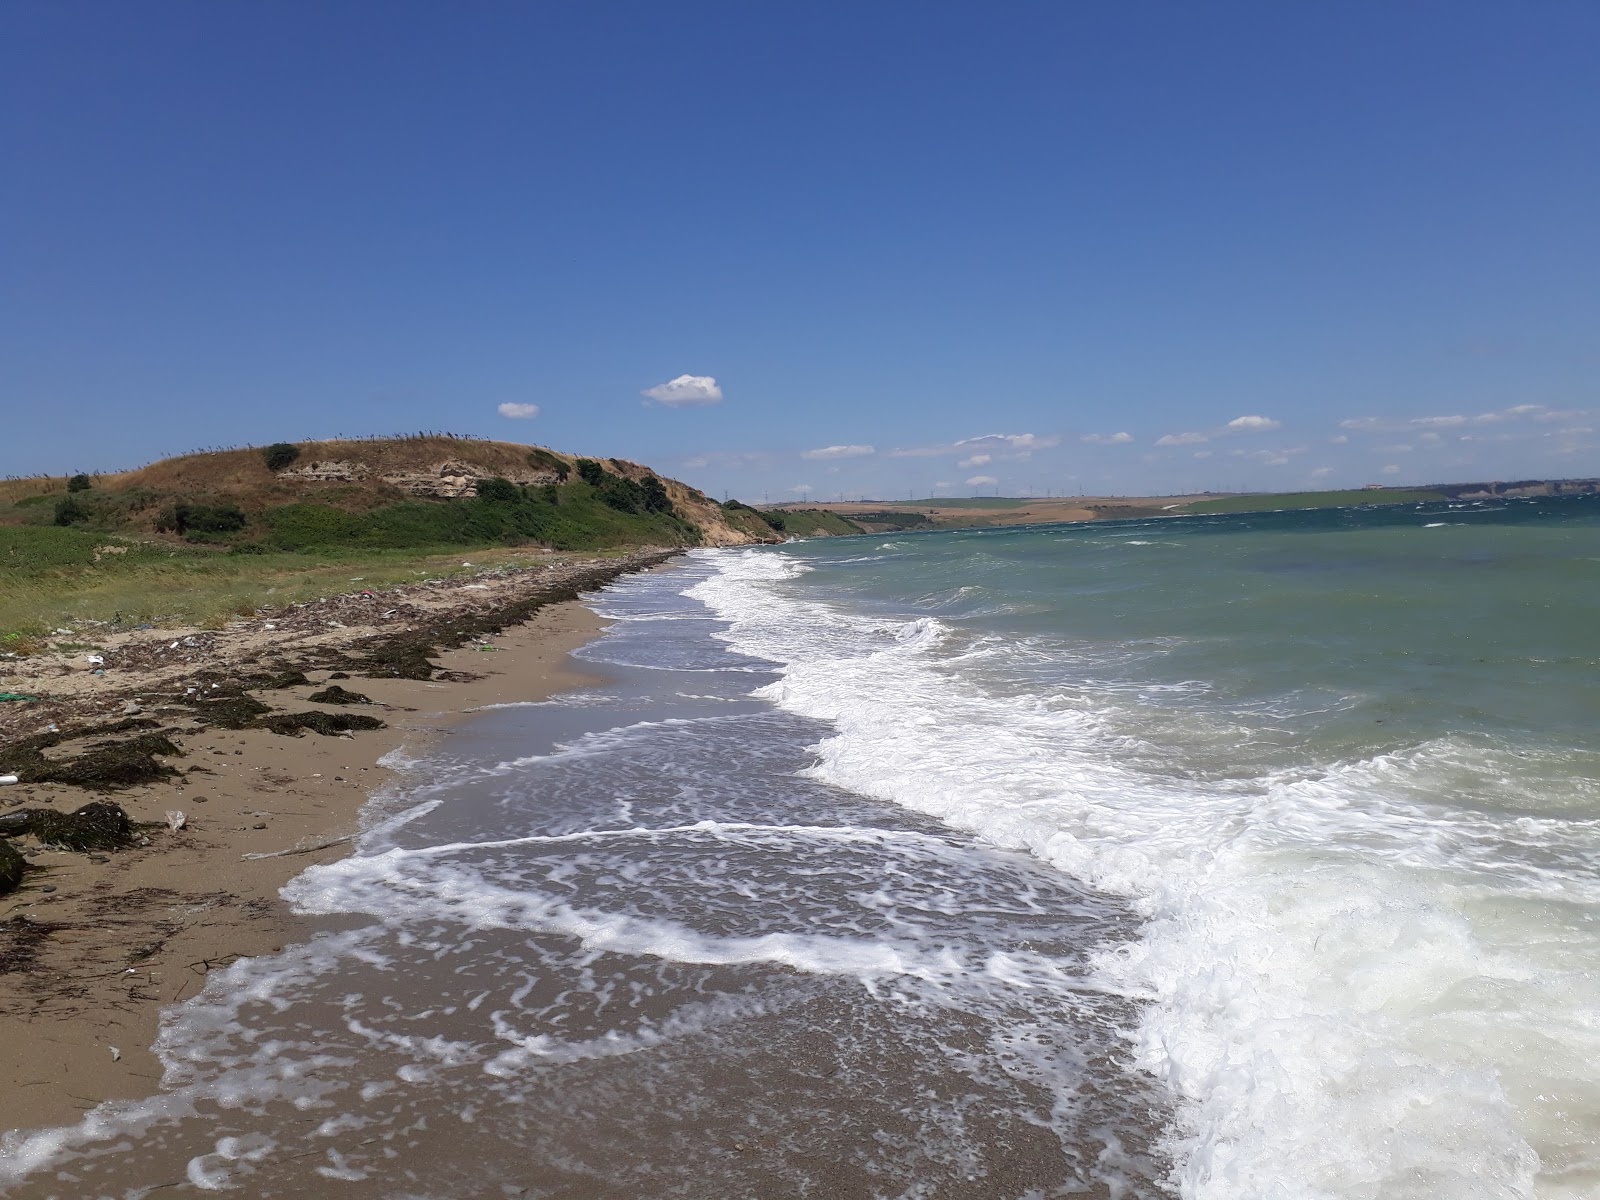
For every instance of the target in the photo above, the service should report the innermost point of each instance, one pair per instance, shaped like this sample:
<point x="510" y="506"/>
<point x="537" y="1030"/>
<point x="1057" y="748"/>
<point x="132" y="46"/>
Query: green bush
<point x="279" y="455"/>
<point x="498" y="491"/>
<point x="543" y="460"/>
<point x="591" y="472"/>
<point x="573" y="516"/>
<point x="79" y="483"/>
<point x="69" y="511"/>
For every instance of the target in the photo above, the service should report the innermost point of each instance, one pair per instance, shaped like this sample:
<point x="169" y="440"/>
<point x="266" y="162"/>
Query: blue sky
<point x="918" y="247"/>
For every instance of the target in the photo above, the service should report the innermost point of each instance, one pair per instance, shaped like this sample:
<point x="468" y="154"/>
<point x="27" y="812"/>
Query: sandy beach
<point x="92" y="946"/>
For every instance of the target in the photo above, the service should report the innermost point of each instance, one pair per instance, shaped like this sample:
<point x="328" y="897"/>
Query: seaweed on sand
<point x="104" y="766"/>
<point x="231" y="709"/>
<point x="327" y="724"/>
<point x="96" y="826"/>
<point x="12" y="865"/>
<point x="20" y="939"/>
<point x="338" y="695"/>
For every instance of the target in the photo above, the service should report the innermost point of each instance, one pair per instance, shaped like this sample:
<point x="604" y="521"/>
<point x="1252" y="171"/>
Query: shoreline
<point x="94" y="946"/>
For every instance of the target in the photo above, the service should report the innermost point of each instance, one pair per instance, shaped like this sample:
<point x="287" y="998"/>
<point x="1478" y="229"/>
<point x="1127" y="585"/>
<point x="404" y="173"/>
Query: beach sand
<point x="93" y="946"/>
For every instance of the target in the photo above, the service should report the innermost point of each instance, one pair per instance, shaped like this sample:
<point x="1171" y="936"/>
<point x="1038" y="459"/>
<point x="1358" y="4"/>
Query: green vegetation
<point x="543" y="460"/>
<point x="52" y="576"/>
<point x="79" y="483"/>
<point x="1344" y="499"/>
<point x="279" y="455"/>
<point x="811" y="522"/>
<point x="891" y="519"/>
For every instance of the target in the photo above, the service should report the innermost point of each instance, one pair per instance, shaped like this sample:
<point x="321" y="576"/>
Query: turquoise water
<point x="1343" y="764"/>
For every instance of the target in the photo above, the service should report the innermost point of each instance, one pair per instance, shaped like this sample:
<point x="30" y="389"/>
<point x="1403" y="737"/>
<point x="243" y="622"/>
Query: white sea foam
<point x="1353" y="990"/>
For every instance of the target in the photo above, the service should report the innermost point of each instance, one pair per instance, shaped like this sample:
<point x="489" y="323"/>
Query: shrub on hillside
<point x="202" y="522"/>
<point x="279" y="455"/>
<point x="591" y="472"/>
<point x="69" y="511"/>
<point x="79" y="483"/>
<point x="543" y="460"/>
<point x="498" y="491"/>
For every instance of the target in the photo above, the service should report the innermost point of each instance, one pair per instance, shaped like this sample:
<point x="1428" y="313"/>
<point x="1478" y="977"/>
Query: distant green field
<point x="1263" y="503"/>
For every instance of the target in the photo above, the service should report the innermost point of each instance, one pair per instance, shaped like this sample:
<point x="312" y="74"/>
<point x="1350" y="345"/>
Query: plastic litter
<point x="8" y="779"/>
<point x="95" y="660"/>
<point x="21" y="696"/>
<point x="175" y="820"/>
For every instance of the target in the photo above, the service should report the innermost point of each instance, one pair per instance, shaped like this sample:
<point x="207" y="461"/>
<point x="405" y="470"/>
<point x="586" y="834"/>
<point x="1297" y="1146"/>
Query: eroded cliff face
<point x="445" y="480"/>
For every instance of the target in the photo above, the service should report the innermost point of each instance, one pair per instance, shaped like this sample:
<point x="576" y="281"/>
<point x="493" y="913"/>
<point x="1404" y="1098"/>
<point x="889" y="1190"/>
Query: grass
<point x="1345" y="499"/>
<point x="51" y="578"/>
<point x="809" y="522"/>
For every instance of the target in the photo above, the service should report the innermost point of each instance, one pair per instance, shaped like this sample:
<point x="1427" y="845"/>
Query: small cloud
<point x="981" y="481"/>
<point x="684" y="390"/>
<point x="998" y="445"/>
<point x="1253" y="424"/>
<point x="1390" y="469"/>
<point x="1204" y="453"/>
<point x="1340" y="439"/>
<point x="839" y="452"/>
<point x="1513" y="413"/>
<point x="801" y="489"/>
<point x="1182" y="439"/>
<point x="1400" y="449"/>
<point x="1107" y="439"/>
<point x="977" y="460"/>
<point x="1016" y="441"/>
<point x="943" y="483"/>
<point x="519" y="412"/>
<point x="1322" y="472"/>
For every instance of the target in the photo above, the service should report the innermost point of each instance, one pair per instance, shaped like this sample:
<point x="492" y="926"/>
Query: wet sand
<point x="94" y="946"/>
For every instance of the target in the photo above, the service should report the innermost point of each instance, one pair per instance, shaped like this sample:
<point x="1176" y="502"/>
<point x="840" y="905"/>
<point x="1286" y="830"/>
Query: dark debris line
<point x="222" y="701"/>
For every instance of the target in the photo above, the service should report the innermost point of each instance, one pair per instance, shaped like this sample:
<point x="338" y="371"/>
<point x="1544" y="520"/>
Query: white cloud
<point x="801" y="488"/>
<point x="981" y="480"/>
<point x="1002" y="446"/>
<point x="943" y="483"/>
<point x="1390" y="469"/>
<point x="1182" y="439"/>
<point x="519" y="412"/>
<point x="1322" y="472"/>
<point x="839" y="452"/>
<point x="977" y="460"/>
<point x="1402" y="448"/>
<point x="1516" y="412"/>
<point x="1253" y="424"/>
<point x="1204" y="453"/>
<point x="1107" y="439"/>
<point x="684" y="390"/>
<point x="1016" y="441"/>
<point x="1340" y="439"/>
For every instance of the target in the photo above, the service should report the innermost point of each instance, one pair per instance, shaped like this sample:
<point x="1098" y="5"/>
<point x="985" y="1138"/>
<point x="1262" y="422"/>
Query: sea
<point x="1234" y="857"/>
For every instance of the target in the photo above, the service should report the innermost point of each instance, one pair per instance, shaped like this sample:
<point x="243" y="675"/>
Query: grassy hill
<point x="416" y="493"/>
<point x="203" y="537"/>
